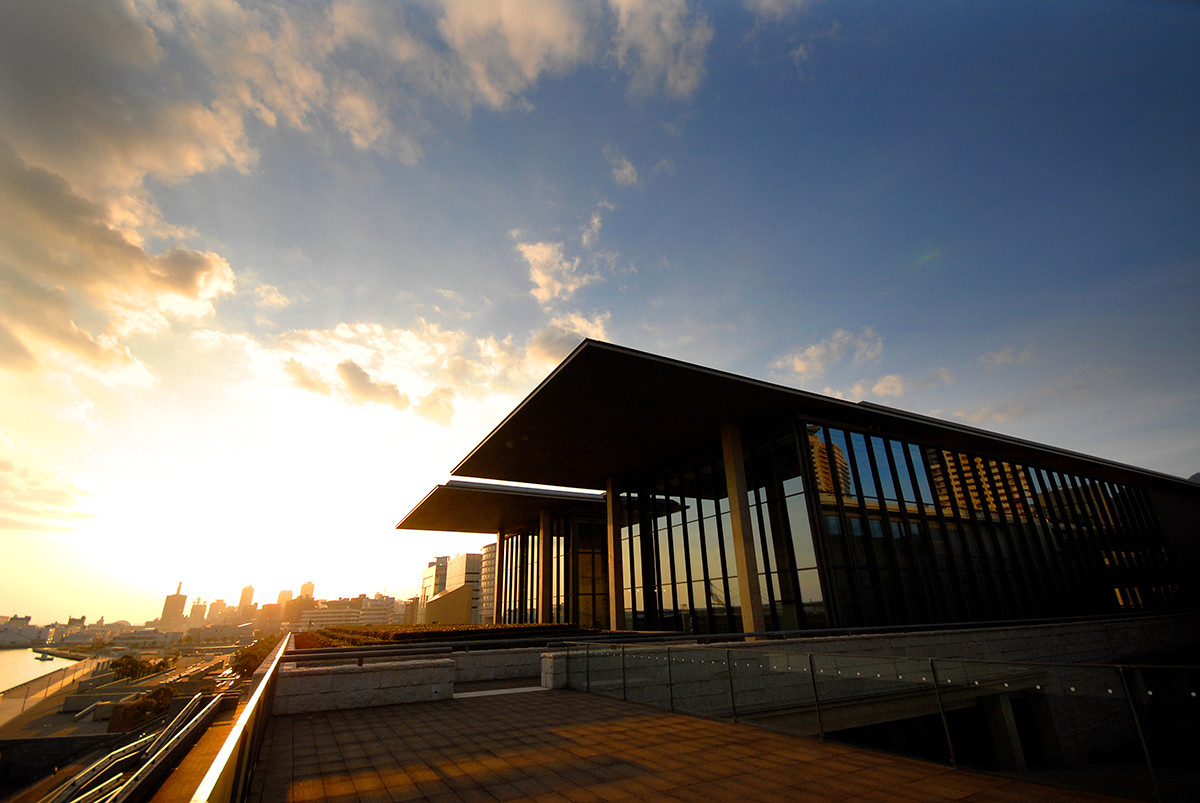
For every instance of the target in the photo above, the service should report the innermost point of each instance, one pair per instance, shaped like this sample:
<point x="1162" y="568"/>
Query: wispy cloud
<point x="623" y="171"/>
<point x="660" y="44"/>
<point x="1010" y="356"/>
<point x="811" y="361"/>
<point x="362" y="388"/>
<point x="993" y="414"/>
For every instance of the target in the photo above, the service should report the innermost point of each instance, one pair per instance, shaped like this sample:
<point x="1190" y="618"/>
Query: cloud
<point x="808" y="362"/>
<point x="550" y="344"/>
<point x="990" y="414"/>
<point x="73" y="284"/>
<point x="592" y="230"/>
<point x="776" y="10"/>
<point x="995" y="360"/>
<point x="304" y="378"/>
<point x="505" y="45"/>
<point x="363" y="389"/>
<point x="269" y="297"/>
<point x="624" y="173"/>
<point x="890" y="385"/>
<point x="660" y="44"/>
<point x="940" y="376"/>
<point x="554" y="276"/>
<point x="437" y="405"/>
<point x="36" y="499"/>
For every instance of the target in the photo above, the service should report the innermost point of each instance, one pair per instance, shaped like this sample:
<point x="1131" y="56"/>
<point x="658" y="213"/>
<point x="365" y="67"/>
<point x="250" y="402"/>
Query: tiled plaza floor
<point x="573" y="746"/>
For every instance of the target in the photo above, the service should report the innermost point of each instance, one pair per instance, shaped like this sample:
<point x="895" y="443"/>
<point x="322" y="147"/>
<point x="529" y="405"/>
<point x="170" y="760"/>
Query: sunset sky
<point x="268" y="271"/>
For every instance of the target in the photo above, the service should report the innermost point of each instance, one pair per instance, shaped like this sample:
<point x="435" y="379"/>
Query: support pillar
<point x="616" y="593"/>
<point x="545" y="570"/>
<point x="749" y="592"/>
<point x="1002" y="727"/>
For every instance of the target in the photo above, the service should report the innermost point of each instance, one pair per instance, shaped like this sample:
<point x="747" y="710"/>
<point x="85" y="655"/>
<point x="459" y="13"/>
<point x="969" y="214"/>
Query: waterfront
<point x="18" y="666"/>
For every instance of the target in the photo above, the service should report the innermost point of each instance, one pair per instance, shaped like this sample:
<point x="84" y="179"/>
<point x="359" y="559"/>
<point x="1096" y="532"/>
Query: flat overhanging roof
<point x="610" y="411"/>
<point x="476" y="507"/>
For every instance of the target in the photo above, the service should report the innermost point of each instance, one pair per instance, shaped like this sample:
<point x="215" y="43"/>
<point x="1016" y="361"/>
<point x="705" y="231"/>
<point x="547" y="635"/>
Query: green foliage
<point x="132" y="667"/>
<point x="250" y="658"/>
<point x="136" y="712"/>
<point x="367" y="635"/>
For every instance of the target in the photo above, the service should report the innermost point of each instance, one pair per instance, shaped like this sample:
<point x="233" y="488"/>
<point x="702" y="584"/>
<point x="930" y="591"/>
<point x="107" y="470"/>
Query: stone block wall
<point x="328" y="688"/>
<point x="498" y="664"/>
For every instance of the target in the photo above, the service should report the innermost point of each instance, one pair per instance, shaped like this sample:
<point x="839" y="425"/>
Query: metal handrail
<point x="228" y="777"/>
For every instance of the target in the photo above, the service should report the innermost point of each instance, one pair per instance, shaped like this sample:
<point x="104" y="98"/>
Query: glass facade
<point x="577" y="572"/>
<point x="518" y="566"/>
<point x="852" y="528"/>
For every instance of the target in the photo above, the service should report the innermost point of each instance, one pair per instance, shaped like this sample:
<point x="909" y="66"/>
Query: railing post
<point x="812" y="673"/>
<point x="622" y="671"/>
<point x="670" y="681"/>
<point x="732" y="692"/>
<point x="942" y="710"/>
<point x="587" y="667"/>
<point x="1137" y="723"/>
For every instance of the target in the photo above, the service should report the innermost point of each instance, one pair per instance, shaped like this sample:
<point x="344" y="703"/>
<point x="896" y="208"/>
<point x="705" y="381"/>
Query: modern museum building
<point x="630" y="491"/>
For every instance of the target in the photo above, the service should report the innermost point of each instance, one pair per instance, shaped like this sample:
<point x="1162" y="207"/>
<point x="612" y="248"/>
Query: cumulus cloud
<point x="890" y="385"/>
<point x="776" y="10"/>
<point x="994" y="360"/>
<point x="269" y="297"/>
<point x="660" y="44"/>
<point x="505" y="45"/>
<point x="362" y="388"/>
<point x="550" y="344"/>
<point x="437" y="405"/>
<point x="305" y="378"/>
<point x="72" y="283"/>
<point x="808" y="362"/>
<point x="554" y="276"/>
<point x="624" y="173"/>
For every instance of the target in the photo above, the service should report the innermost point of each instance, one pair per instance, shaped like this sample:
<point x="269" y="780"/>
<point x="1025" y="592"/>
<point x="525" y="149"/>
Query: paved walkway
<point x="573" y="746"/>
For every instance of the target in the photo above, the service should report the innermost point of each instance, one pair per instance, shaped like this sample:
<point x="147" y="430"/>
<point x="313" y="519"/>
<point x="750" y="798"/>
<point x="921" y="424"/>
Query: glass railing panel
<point x="577" y="666"/>
<point x="1066" y="725"/>
<point x="862" y="698"/>
<point x="648" y="675"/>
<point x="605" y="671"/>
<point x="774" y="690"/>
<point x="700" y="681"/>
<point x="1167" y="702"/>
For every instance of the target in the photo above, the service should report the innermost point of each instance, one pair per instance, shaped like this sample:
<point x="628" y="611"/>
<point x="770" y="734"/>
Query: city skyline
<point x="269" y="270"/>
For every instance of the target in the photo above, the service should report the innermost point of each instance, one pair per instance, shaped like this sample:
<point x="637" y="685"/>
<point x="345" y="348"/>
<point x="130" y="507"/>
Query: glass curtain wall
<point x="916" y="533"/>
<point x="861" y="529"/>
<point x="677" y="546"/>
<point x="519" y="564"/>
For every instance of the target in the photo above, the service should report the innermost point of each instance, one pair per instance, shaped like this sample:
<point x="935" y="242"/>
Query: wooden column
<point x="616" y="595"/>
<point x="545" y="570"/>
<point x="749" y="592"/>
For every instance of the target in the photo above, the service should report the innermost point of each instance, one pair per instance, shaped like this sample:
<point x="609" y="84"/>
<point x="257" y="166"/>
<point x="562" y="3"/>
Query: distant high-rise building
<point x="433" y="582"/>
<point x="196" y="614"/>
<point x="172" y="612"/>
<point x="284" y="597"/>
<point x="246" y="606"/>
<point x="307" y="589"/>
<point x="464" y="570"/>
<point x="216" y="610"/>
<point x="487" y="584"/>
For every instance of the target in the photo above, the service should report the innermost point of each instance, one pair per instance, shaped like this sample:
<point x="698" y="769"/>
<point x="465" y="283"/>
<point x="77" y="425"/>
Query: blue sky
<point x="270" y="270"/>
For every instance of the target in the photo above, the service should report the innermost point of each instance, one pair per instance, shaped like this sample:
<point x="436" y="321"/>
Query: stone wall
<point x="329" y="688"/>
<point x="498" y="664"/>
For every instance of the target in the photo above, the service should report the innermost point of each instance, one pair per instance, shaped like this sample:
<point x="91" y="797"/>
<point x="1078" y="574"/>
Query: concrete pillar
<point x="749" y="593"/>
<point x="1002" y="727"/>
<point x="616" y="595"/>
<point x="545" y="569"/>
<point x="498" y="601"/>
